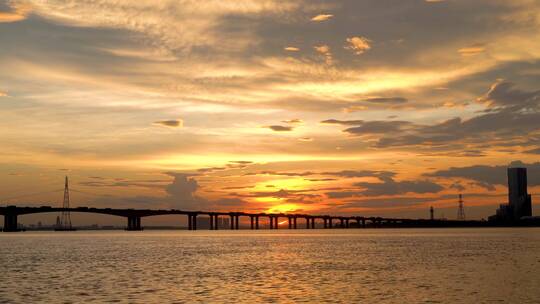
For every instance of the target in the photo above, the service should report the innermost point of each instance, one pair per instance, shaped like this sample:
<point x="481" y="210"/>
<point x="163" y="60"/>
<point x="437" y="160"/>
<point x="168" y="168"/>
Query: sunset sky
<point x="364" y="107"/>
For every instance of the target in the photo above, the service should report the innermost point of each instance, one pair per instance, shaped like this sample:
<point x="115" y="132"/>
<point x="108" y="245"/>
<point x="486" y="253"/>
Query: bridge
<point x="134" y="216"/>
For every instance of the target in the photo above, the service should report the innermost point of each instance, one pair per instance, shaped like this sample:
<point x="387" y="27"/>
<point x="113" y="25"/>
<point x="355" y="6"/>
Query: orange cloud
<point x="358" y="45"/>
<point x="292" y="49"/>
<point x="322" y="17"/>
<point x="173" y="123"/>
<point x="18" y="12"/>
<point x="325" y="50"/>
<point x="471" y="50"/>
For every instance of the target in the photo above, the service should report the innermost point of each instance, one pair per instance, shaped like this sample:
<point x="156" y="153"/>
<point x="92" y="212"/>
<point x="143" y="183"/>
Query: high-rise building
<point x="519" y="201"/>
<point x="518" y="198"/>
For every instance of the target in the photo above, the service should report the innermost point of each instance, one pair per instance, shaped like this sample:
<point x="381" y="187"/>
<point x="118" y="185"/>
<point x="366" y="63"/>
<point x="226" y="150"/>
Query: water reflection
<point x="386" y="266"/>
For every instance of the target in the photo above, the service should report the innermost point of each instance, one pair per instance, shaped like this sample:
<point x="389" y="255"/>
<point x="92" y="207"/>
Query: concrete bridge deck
<point x="134" y="216"/>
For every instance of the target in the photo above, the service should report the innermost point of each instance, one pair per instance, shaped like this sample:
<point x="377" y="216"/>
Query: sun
<point x="283" y="208"/>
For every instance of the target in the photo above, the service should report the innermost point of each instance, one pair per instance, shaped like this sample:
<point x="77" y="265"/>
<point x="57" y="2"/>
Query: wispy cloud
<point x="291" y="49"/>
<point x="17" y="11"/>
<point x="325" y="51"/>
<point x="173" y="123"/>
<point x="279" y="128"/>
<point x="322" y="17"/>
<point x="359" y="45"/>
<point x="472" y="50"/>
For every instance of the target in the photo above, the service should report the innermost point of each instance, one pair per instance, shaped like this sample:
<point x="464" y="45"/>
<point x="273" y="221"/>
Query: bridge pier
<point x="236" y="222"/>
<point x="192" y="221"/>
<point x="251" y="222"/>
<point x="289" y="221"/>
<point x="10" y="223"/>
<point x="325" y="223"/>
<point x="211" y="222"/>
<point x="216" y="222"/>
<point x="271" y="218"/>
<point x="346" y="223"/>
<point x="294" y="222"/>
<point x="330" y="226"/>
<point x="134" y="223"/>
<point x="257" y="222"/>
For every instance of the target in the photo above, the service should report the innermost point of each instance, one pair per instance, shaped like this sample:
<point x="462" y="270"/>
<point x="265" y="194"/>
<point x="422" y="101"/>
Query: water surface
<point x="338" y="266"/>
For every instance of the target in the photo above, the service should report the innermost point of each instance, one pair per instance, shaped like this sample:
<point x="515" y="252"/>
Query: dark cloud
<point x="181" y="193"/>
<point x="293" y="121"/>
<point x="533" y="151"/>
<point x="378" y="127"/>
<point x="391" y="187"/>
<point x="342" y="122"/>
<point x="394" y="202"/>
<point x="370" y="127"/>
<point x="388" y="186"/>
<point x="361" y="173"/>
<point x="278" y="128"/>
<point x="458" y="186"/>
<point x="174" y="123"/>
<point x="343" y="173"/>
<point x="512" y="115"/>
<point x="489" y="176"/>
<point x="385" y="100"/>
<point x="99" y="181"/>
<point x="504" y="94"/>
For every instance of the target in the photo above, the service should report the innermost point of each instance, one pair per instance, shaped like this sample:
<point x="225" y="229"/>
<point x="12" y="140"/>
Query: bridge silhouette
<point x="134" y="216"/>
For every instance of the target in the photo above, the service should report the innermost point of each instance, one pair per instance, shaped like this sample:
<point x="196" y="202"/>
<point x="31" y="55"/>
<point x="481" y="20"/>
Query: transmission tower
<point x="461" y="209"/>
<point x="65" y="219"/>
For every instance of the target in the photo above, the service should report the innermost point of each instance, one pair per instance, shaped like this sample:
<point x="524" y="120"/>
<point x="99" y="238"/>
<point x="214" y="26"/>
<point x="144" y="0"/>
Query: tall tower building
<point x="518" y="198"/>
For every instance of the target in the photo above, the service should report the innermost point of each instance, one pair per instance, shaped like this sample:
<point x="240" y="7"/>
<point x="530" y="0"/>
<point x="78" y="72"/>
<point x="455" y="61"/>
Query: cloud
<point x="181" y="193"/>
<point x="278" y="128"/>
<point x="392" y="100"/>
<point x="291" y="49"/>
<point x="342" y="122"/>
<point x="293" y="121"/>
<point x="176" y="26"/>
<point x="359" y="45"/>
<point x="472" y="50"/>
<point x="382" y="175"/>
<point x="182" y="187"/>
<point x="391" y="187"/>
<point x="512" y="116"/>
<point x="322" y="17"/>
<point x="490" y="176"/>
<point x="174" y="123"/>
<point x="17" y="11"/>
<point x="325" y="51"/>
<point x="3" y="94"/>
<point x="388" y="187"/>
<point x="533" y="151"/>
<point x="378" y="127"/>
<point x="394" y="202"/>
<point x="504" y="94"/>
